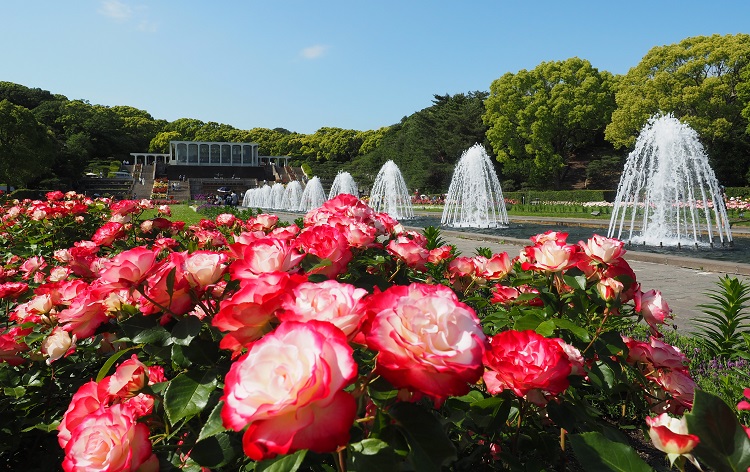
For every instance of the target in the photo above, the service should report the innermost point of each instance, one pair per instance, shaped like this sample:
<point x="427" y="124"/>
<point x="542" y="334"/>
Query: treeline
<point x="559" y="125"/>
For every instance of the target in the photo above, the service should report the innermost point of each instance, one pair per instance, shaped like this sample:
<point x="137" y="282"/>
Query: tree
<point x="139" y="125"/>
<point x="537" y="120"/>
<point x="271" y="142"/>
<point x="160" y="143"/>
<point x="26" y="146"/>
<point x="331" y="144"/>
<point x="371" y="139"/>
<point x="24" y="96"/>
<point x="215" y="132"/>
<point x="701" y="81"/>
<point x="427" y="144"/>
<point x="188" y="128"/>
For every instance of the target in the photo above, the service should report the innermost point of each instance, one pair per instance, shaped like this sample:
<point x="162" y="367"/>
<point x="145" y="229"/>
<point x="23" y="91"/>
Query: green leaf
<point x="214" y="424"/>
<point x="577" y="331"/>
<point x="188" y="393"/>
<point x="170" y="281"/>
<point x="104" y="371"/>
<point x="214" y="452"/>
<point x="601" y="375"/>
<point x="597" y="453"/>
<point x="16" y="392"/>
<point x="578" y="281"/>
<point x="312" y="262"/>
<point x="47" y="428"/>
<point x="430" y="447"/>
<point x="144" y="329"/>
<point x="185" y="330"/>
<point x="287" y="463"/>
<point x="546" y="328"/>
<point x="530" y="321"/>
<point x="371" y="455"/>
<point x="724" y="445"/>
<point x="610" y="343"/>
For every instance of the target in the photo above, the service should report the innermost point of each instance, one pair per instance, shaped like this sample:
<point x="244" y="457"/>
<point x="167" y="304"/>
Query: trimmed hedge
<point x="529" y="196"/>
<point x="737" y="191"/>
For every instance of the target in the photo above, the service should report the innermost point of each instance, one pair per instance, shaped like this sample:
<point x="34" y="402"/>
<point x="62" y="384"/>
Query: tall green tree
<point x="26" y="146"/>
<point x="331" y="144"/>
<point x="538" y="119"/>
<point x="24" y="96"/>
<point x="425" y="145"/>
<point x="701" y="81"/>
<point x="139" y="126"/>
<point x="160" y="143"/>
<point x="216" y="132"/>
<point x="188" y="128"/>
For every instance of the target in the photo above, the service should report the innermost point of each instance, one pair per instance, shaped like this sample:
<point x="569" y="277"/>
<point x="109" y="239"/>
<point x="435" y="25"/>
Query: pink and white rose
<point x="428" y="342"/>
<point x="287" y="390"/>
<point x="332" y="301"/>
<point x="671" y="435"/>
<point x="111" y="440"/>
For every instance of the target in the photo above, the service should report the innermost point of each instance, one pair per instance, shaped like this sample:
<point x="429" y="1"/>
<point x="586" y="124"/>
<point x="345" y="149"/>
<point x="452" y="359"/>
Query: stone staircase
<point x="144" y="181"/>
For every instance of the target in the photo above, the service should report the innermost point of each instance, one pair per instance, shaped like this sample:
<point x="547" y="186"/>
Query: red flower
<point x="524" y="361"/>
<point x="109" y="233"/>
<point x="13" y="290"/>
<point x="326" y="242"/>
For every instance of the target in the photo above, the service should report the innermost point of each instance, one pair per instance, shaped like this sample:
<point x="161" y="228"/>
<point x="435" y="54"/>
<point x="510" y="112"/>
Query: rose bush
<point x="341" y="342"/>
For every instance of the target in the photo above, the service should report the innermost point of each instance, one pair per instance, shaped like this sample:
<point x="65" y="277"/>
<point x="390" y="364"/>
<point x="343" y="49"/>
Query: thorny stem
<point x="598" y="331"/>
<point x="395" y="272"/>
<point x="521" y="413"/>
<point x="363" y="383"/>
<point x="341" y="464"/>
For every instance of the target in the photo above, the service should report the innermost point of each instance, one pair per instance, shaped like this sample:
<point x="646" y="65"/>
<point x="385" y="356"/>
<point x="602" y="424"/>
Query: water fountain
<point x="389" y="193"/>
<point x="292" y="196"/>
<point x="247" y="199"/>
<point x="343" y="183"/>
<point x="313" y="196"/>
<point x="475" y="199"/>
<point x="277" y="195"/>
<point x="668" y="194"/>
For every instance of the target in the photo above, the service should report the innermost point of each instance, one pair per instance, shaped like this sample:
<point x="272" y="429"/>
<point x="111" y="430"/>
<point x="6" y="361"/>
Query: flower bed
<point x="346" y="343"/>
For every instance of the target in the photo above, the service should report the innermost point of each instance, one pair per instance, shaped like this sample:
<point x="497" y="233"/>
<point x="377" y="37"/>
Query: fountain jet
<point x="343" y="183"/>
<point x="313" y="196"/>
<point x="475" y="199"/>
<point x="389" y="193"/>
<point x="668" y="194"/>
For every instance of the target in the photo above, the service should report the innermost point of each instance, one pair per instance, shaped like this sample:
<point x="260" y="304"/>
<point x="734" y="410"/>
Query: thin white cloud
<point x="116" y="10"/>
<point x="314" y="52"/>
<point x="147" y="26"/>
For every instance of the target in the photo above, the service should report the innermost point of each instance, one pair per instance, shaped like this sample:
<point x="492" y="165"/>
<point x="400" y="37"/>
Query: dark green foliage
<point x="721" y="329"/>
<point x="427" y="144"/>
<point x="604" y="172"/>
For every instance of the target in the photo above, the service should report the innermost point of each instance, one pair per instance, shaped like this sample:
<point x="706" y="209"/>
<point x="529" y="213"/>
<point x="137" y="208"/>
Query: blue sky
<point x="303" y="65"/>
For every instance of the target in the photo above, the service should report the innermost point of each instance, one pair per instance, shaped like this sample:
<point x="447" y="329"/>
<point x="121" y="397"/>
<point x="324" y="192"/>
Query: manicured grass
<point x="180" y="212"/>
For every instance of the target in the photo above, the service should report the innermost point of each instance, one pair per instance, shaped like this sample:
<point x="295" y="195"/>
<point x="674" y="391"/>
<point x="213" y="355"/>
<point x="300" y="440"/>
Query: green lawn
<point x="180" y="212"/>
